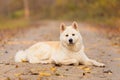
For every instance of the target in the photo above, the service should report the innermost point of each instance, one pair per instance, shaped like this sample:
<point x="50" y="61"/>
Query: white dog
<point x="69" y="50"/>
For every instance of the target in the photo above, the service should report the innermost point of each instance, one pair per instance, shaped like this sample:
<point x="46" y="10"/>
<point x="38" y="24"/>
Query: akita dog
<point x="69" y="50"/>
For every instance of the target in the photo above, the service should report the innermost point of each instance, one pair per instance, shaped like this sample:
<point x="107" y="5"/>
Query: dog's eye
<point x="66" y="35"/>
<point x="73" y="34"/>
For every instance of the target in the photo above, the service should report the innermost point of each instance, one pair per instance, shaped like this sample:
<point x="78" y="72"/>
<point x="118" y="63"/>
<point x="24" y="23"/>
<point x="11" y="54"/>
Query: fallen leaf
<point x="44" y="74"/>
<point x="57" y="74"/>
<point x="18" y="74"/>
<point x="53" y="69"/>
<point x="85" y="68"/>
<point x="8" y="78"/>
<point x="20" y="78"/>
<point x="67" y="69"/>
<point x="16" y="66"/>
<point x="115" y="44"/>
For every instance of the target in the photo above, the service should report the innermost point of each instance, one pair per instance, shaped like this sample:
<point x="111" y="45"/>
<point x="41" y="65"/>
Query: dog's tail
<point x="20" y="56"/>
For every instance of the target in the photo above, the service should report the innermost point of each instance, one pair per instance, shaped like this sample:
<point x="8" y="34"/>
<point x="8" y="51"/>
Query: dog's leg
<point x="70" y="61"/>
<point x="33" y="60"/>
<point x="93" y="62"/>
<point x="86" y="61"/>
<point x="46" y="61"/>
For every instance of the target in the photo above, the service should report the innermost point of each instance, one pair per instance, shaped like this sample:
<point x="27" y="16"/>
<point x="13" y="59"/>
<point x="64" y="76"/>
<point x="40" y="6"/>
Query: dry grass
<point x="13" y="24"/>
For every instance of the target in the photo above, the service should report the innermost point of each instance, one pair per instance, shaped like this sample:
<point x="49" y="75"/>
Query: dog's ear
<point x="62" y="27"/>
<point x="75" y="25"/>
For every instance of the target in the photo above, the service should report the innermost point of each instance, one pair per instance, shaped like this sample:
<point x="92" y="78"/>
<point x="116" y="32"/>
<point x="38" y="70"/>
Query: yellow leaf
<point x="86" y="69"/>
<point x="18" y="74"/>
<point x="44" y="74"/>
<point x="53" y="69"/>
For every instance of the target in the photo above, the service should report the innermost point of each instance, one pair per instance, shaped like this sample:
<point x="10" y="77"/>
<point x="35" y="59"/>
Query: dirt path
<point x="97" y="47"/>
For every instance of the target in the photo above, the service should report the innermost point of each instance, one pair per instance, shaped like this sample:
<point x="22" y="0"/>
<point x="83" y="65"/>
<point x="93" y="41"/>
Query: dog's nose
<point x="70" y="40"/>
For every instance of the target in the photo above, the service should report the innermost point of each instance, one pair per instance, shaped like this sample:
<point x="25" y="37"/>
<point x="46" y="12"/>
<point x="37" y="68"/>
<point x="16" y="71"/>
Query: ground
<point x="97" y="46"/>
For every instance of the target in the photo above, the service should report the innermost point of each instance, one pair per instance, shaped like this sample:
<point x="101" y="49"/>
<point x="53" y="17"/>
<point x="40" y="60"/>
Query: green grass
<point x="17" y="14"/>
<point x="13" y="24"/>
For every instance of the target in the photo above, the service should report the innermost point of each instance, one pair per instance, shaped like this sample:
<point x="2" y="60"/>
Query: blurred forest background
<point x="18" y="13"/>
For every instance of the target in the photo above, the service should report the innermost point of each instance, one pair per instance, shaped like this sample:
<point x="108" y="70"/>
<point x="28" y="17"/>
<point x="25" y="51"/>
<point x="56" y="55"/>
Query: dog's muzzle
<point x="70" y="41"/>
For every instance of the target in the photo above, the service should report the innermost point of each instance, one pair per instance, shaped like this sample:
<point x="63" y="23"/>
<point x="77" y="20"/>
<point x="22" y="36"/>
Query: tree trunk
<point x="26" y="9"/>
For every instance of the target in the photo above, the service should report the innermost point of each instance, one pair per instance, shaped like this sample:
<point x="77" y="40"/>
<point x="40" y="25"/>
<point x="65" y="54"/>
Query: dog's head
<point x="69" y="35"/>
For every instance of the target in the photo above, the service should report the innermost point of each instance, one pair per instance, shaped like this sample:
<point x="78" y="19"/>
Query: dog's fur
<point x="69" y="50"/>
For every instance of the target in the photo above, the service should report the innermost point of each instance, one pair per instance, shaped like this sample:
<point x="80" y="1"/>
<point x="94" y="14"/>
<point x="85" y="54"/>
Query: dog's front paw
<point x="101" y="65"/>
<point x="98" y="64"/>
